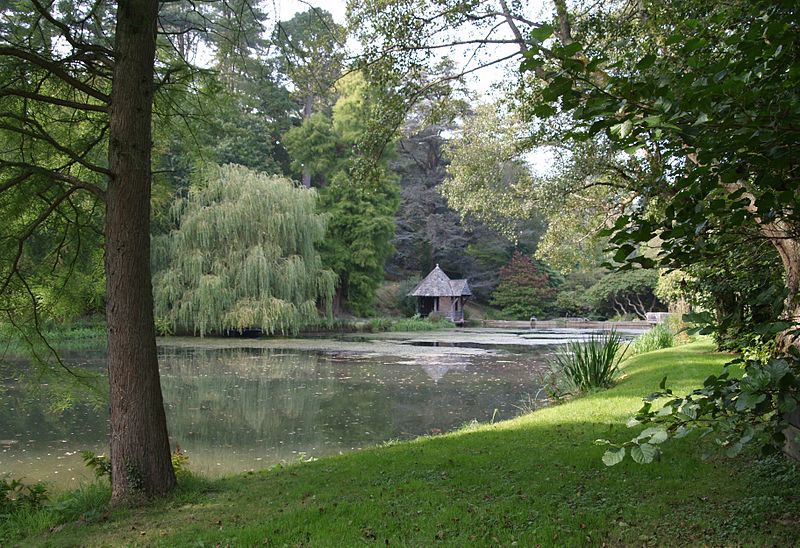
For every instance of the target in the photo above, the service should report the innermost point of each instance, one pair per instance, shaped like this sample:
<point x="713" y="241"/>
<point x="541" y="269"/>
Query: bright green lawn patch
<point x="537" y="479"/>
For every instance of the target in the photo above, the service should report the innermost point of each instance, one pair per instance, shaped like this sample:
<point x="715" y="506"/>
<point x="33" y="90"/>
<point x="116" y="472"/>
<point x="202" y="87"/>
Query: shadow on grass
<point x="535" y="484"/>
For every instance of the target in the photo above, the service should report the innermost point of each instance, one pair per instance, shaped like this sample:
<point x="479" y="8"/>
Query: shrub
<point x="421" y="324"/>
<point x="584" y="366"/>
<point x="435" y="317"/>
<point x="378" y="325"/>
<point x="16" y="496"/>
<point x="525" y="290"/>
<point x="660" y="336"/>
<point x="101" y="464"/>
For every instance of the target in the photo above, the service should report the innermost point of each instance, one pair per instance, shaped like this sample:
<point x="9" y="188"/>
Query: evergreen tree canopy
<point x="242" y="256"/>
<point x="361" y="207"/>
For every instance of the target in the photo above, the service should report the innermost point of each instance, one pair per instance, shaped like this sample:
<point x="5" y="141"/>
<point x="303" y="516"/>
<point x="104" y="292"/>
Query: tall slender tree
<point x="361" y="206"/>
<point x="311" y="52"/>
<point x="140" y="452"/>
<point x="76" y="101"/>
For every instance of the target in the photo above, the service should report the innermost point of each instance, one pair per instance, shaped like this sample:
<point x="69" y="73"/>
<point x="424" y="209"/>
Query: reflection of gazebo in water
<point x="438" y="293"/>
<point x="437" y="371"/>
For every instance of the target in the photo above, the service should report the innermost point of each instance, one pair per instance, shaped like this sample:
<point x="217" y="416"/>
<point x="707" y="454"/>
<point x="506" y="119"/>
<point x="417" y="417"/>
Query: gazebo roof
<point x="438" y="284"/>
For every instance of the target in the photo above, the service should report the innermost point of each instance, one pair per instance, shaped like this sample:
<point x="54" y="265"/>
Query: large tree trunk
<point x="140" y="453"/>
<point x="784" y="236"/>
<point x="789" y="250"/>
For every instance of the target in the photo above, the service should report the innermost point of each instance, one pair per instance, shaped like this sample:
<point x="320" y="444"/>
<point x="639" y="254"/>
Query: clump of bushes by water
<point x="422" y="324"/>
<point x="379" y="325"/>
<point x="585" y="366"/>
<point x="660" y="336"/>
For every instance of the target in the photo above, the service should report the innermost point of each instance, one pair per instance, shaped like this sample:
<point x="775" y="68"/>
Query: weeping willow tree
<point x="242" y="256"/>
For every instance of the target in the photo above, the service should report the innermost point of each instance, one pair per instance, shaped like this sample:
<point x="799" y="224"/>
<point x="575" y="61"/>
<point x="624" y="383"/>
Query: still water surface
<point x="235" y="405"/>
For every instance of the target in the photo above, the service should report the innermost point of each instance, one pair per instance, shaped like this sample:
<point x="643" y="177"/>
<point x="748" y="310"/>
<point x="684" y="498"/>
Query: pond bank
<point x="537" y="479"/>
<point x="235" y="404"/>
<point x="569" y="324"/>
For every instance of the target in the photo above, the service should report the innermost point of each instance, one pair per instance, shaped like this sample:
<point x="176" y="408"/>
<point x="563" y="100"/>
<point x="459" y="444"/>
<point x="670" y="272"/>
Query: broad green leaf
<point x="644" y="453"/>
<point x="748" y="400"/>
<point x="571" y="49"/>
<point x="542" y="32"/>
<point x="659" y="436"/>
<point x="665" y="411"/>
<point x="613" y="456"/>
<point x="653" y="120"/>
<point x="733" y="449"/>
<point x="646" y="62"/>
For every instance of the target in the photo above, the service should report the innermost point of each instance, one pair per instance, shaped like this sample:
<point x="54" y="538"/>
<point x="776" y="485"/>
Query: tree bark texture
<point x="140" y="453"/>
<point x="784" y="237"/>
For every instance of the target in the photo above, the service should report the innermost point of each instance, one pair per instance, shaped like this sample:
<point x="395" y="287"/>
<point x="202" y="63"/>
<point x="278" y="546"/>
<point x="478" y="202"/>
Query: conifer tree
<point x="361" y="205"/>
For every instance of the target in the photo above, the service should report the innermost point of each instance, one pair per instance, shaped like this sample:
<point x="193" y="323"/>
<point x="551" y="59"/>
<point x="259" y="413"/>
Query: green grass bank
<point x="534" y="480"/>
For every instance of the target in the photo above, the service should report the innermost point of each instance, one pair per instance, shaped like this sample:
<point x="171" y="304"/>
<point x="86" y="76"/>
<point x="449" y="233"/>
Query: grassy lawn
<point x="535" y="480"/>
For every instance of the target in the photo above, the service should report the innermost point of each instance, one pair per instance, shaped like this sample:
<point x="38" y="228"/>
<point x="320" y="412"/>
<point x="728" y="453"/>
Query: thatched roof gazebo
<point x="438" y="293"/>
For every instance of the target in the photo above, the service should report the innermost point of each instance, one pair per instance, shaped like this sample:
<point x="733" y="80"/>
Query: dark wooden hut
<point x="438" y="293"/>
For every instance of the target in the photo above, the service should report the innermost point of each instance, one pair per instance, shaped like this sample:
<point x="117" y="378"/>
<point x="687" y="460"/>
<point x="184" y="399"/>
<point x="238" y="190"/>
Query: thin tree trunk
<point x="140" y="451"/>
<point x="307" y="107"/>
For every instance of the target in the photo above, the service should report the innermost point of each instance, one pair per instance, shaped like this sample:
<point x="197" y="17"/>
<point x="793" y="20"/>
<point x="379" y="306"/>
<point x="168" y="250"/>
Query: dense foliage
<point x="709" y="92"/>
<point x="525" y="290"/>
<point x="242" y="256"/>
<point x="680" y="119"/>
<point x="360" y="207"/>
<point x="430" y="232"/>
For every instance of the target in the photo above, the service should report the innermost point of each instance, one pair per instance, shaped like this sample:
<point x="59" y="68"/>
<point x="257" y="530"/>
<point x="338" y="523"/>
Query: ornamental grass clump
<point x="587" y="366"/>
<point x="660" y="336"/>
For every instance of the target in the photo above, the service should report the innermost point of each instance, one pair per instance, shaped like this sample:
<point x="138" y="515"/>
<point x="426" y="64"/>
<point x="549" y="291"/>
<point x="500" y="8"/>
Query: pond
<point x="244" y="404"/>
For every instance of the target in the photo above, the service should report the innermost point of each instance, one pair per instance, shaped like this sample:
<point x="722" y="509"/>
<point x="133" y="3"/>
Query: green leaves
<point x="614" y="456"/>
<point x="243" y="256"/>
<point x="643" y="448"/>
<point x="736" y="412"/>
<point x="644" y="453"/>
<point x="646" y="62"/>
<point x="542" y="32"/>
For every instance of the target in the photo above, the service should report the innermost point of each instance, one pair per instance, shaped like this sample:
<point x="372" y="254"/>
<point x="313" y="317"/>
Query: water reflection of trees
<point x="247" y="398"/>
<point x="238" y="396"/>
<point x="26" y="413"/>
<point x="245" y="408"/>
